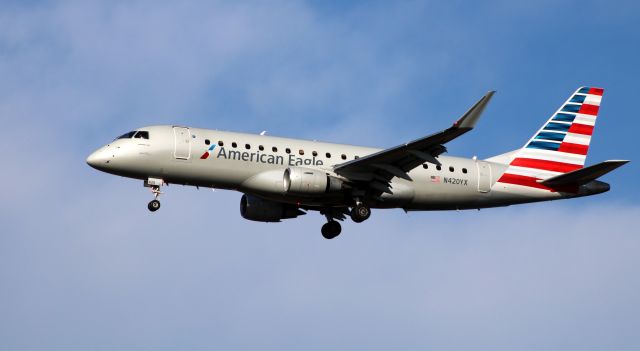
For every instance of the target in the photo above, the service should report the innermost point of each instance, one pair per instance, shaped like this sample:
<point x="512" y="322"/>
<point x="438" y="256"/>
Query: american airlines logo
<point x="208" y="152"/>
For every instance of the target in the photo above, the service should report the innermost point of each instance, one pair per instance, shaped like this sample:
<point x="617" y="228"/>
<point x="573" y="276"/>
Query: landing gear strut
<point x="360" y="213"/>
<point x="154" y="184"/>
<point x="331" y="229"/>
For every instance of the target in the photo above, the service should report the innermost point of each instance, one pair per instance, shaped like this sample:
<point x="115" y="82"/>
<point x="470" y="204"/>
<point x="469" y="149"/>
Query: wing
<point x="377" y="169"/>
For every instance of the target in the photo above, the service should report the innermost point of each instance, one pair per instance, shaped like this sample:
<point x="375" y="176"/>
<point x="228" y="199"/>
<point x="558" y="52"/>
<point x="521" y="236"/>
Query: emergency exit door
<point x="484" y="176"/>
<point x="182" y="140"/>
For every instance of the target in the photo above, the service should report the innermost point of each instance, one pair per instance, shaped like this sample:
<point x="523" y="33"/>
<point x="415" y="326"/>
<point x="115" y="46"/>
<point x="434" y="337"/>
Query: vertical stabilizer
<point x="560" y="146"/>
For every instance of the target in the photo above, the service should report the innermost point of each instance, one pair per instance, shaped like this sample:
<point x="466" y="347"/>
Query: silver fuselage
<point x="255" y="164"/>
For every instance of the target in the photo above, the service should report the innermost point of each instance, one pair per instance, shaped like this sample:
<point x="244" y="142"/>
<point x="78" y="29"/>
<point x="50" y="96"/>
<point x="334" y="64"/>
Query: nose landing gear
<point x="154" y="184"/>
<point x="154" y="205"/>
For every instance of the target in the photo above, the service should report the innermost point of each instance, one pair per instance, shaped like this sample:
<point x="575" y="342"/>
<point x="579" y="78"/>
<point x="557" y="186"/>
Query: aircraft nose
<point x="98" y="159"/>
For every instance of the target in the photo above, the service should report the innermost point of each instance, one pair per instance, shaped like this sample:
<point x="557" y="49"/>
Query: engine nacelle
<point x="305" y="181"/>
<point x="256" y="209"/>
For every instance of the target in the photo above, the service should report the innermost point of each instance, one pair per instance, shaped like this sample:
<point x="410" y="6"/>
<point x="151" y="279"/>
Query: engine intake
<point x="256" y="209"/>
<point x="305" y="181"/>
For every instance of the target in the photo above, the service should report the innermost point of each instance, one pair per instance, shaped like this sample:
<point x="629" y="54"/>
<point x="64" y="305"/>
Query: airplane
<point x="283" y="178"/>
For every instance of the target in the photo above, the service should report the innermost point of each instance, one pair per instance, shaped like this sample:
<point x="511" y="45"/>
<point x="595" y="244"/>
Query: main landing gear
<point x="359" y="213"/>
<point x="154" y="184"/>
<point x="331" y="229"/>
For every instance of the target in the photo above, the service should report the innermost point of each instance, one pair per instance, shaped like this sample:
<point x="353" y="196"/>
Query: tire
<point x="360" y="213"/>
<point x="154" y="205"/>
<point x="331" y="229"/>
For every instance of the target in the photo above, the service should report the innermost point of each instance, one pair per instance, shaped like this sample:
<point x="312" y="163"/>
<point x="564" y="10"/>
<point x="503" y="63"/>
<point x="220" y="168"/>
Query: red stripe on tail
<point x="596" y="91"/>
<point x="553" y="166"/>
<point x="587" y="109"/>
<point x="574" y="148"/>
<point x="522" y="180"/>
<point x="578" y="128"/>
<point x="532" y="183"/>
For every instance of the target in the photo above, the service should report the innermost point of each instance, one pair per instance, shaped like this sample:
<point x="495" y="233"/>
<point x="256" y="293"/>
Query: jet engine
<point x="256" y="209"/>
<point x="305" y="181"/>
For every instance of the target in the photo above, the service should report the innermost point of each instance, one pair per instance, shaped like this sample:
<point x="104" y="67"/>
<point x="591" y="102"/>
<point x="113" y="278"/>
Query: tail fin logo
<point x="570" y="129"/>
<point x="561" y="145"/>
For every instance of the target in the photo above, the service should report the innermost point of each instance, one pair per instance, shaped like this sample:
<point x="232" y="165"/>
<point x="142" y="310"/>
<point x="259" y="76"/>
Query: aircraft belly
<point x="332" y="200"/>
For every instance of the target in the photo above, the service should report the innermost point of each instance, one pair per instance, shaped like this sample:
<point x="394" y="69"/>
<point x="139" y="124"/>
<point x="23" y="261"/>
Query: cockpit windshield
<point x="142" y="134"/>
<point x="126" y="135"/>
<point x="137" y="134"/>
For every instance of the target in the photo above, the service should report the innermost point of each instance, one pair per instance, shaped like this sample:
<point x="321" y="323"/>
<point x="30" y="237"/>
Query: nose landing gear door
<point x="182" y="139"/>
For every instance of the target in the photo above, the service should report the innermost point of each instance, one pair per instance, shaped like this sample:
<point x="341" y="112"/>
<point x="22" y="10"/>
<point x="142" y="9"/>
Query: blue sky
<point x="84" y="265"/>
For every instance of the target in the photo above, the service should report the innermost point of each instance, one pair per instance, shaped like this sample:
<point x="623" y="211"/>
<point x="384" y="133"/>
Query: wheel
<point x="360" y="213"/>
<point x="154" y="205"/>
<point x="331" y="229"/>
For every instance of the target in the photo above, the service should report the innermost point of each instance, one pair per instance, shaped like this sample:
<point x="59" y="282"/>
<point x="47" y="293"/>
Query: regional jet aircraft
<point x="284" y="178"/>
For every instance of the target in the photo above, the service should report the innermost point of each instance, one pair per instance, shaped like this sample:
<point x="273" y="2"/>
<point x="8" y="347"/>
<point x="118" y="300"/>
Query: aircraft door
<point x="182" y="140"/>
<point x="484" y="176"/>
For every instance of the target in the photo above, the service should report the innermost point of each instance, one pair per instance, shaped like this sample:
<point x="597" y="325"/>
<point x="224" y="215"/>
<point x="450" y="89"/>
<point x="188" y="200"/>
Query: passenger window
<point x="274" y="149"/>
<point x="314" y="153"/>
<point x="287" y="150"/>
<point x="142" y="135"/>
<point x="425" y="166"/>
<point x="261" y="148"/>
<point x="301" y="152"/>
<point x="247" y="146"/>
<point x="438" y="167"/>
<point x="220" y="143"/>
<point x="450" y="169"/>
<point x="464" y="170"/>
<point x="207" y="141"/>
<point x="328" y="155"/>
<point x="234" y="144"/>
<point x="344" y="157"/>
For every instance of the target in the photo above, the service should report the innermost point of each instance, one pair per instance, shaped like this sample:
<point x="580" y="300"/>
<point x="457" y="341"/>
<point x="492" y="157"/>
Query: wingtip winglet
<point x="471" y="117"/>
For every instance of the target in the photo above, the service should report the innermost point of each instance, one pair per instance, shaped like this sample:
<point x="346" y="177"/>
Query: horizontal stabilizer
<point x="583" y="175"/>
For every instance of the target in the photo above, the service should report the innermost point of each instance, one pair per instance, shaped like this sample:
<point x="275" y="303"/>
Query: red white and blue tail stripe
<point x="560" y="146"/>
